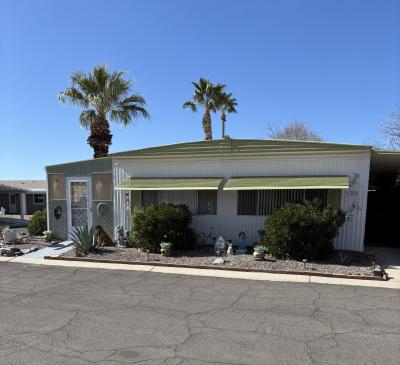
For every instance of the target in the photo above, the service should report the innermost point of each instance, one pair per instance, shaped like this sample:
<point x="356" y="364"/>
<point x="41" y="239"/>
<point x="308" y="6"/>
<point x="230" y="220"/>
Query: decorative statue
<point x="102" y="237"/>
<point x="120" y="236"/>
<point x="230" y="248"/>
<point x="242" y="241"/>
<point x="220" y="244"/>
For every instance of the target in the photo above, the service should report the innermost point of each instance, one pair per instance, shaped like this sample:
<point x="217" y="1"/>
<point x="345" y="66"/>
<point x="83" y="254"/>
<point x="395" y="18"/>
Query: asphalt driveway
<point x="58" y="315"/>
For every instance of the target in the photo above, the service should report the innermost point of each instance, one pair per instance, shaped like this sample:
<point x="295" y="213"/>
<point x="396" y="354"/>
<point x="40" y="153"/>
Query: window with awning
<point x="170" y="184"/>
<point x="264" y="202"/>
<point x="287" y="182"/>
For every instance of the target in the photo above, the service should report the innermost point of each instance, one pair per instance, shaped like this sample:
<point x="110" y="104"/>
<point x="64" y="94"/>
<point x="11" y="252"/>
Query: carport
<point x="383" y="209"/>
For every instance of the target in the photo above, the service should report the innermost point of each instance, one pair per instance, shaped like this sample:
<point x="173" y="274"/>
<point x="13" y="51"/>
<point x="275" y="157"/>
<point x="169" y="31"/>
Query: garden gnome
<point x="242" y="241"/>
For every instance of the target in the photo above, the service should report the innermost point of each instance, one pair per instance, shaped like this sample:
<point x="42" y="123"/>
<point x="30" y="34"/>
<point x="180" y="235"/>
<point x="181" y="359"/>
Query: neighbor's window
<point x="207" y="202"/>
<point x="39" y="198"/>
<point x="264" y="202"/>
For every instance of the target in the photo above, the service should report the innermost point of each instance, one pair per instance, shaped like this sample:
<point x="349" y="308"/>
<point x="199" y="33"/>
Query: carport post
<point x="23" y="204"/>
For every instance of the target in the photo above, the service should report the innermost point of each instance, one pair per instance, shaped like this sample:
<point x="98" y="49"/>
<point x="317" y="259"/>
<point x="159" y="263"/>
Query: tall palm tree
<point x="103" y="95"/>
<point x="226" y="104"/>
<point x="205" y="96"/>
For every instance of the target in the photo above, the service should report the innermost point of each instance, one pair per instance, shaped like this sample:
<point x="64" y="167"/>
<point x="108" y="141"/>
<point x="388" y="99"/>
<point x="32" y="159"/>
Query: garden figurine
<point x="120" y="236"/>
<point x="230" y="248"/>
<point x="242" y="241"/>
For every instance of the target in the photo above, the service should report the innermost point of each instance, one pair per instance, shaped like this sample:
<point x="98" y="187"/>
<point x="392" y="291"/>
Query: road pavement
<point x="62" y="315"/>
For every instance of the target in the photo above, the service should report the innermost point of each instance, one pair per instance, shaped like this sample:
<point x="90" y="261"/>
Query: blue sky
<point x="333" y="64"/>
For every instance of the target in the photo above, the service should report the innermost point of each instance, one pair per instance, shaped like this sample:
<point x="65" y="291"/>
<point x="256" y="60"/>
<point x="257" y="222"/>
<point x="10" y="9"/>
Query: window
<point x="207" y="202"/>
<point x="264" y="202"/>
<point x="39" y="199"/>
<point x="202" y="202"/>
<point x="13" y="199"/>
<point x="102" y="186"/>
<point x="150" y="198"/>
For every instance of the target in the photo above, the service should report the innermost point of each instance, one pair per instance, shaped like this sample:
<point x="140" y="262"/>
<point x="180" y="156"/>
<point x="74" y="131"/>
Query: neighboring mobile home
<point x="230" y="185"/>
<point x="22" y="197"/>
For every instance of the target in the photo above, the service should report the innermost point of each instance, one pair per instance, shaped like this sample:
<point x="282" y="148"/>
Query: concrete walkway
<point x="54" y="251"/>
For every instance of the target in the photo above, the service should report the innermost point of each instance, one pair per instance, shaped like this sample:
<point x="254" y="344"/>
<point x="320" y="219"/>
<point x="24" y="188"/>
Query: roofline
<point x="386" y="152"/>
<point x="361" y="146"/>
<point x="78" y="161"/>
<point x="127" y="153"/>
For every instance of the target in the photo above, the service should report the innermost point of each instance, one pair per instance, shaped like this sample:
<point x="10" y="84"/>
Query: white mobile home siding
<point x="227" y="222"/>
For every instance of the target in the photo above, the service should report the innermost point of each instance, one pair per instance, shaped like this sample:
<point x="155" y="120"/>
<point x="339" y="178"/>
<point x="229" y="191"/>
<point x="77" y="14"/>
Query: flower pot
<point x="166" y="252"/>
<point x="9" y="235"/>
<point x="48" y="238"/>
<point x="259" y="255"/>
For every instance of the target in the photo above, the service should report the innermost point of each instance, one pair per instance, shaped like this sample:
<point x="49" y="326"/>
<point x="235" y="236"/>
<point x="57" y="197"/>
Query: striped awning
<point x="170" y="184"/>
<point x="287" y="182"/>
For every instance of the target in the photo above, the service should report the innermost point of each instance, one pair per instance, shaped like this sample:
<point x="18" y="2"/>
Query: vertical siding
<point x="226" y="221"/>
<point x="79" y="169"/>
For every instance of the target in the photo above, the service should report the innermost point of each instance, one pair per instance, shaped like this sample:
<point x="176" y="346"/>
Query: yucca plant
<point x="83" y="240"/>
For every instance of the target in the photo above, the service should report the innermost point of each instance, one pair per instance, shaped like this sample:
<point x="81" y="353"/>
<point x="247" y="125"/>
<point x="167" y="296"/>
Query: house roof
<point x="230" y="146"/>
<point x="23" y="185"/>
<point x="384" y="161"/>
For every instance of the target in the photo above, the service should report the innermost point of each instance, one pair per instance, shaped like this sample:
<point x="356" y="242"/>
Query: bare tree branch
<point x="295" y="131"/>
<point x="391" y="130"/>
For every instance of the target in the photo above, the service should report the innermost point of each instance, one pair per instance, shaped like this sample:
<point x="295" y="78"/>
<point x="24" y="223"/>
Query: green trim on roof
<point x="170" y="184"/>
<point x="287" y="182"/>
<point x="239" y="147"/>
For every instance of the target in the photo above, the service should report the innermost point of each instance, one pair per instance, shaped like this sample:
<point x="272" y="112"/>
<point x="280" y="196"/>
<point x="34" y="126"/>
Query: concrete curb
<point x="219" y="268"/>
<point x="227" y="274"/>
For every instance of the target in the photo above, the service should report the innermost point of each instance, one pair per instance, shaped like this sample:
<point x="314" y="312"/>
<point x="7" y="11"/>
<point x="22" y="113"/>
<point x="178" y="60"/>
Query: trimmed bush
<point x="38" y="223"/>
<point x="168" y="223"/>
<point x="300" y="231"/>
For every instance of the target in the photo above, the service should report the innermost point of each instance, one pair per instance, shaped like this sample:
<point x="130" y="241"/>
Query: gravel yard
<point x="25" y="243"/>
<point x="360" y="264"/>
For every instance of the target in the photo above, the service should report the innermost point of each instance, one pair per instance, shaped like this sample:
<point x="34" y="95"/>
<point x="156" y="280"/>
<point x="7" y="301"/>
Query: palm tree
<point x="205" y="96"/>
<point x="226" y="104"/>
<point x="103" y="94"/>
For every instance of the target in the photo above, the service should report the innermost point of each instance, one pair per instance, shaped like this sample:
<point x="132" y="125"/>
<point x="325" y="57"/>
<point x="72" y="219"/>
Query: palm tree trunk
<point x="207" y="125"/>
<point x="100" y="137"/>
<point x="223" y="119"/>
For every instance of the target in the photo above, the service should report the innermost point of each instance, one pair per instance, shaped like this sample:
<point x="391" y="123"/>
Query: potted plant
<point x="48" y="236"/>
<point x="166" y="248"/>
<point x="9" y="235"/>
<point x="259" y="252"/>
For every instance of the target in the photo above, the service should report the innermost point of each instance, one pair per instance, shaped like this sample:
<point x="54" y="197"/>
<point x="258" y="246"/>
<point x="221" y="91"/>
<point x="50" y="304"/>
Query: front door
<point x="13" y="204"/>
<point x="79" y="203"/>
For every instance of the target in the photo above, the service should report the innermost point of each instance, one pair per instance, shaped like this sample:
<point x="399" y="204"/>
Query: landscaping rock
<point x="363" y="266"/>
<point x="218" y="261"/>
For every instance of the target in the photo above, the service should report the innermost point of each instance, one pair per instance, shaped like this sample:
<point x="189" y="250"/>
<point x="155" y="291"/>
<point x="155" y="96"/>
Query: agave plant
<point x="83" y="240"/>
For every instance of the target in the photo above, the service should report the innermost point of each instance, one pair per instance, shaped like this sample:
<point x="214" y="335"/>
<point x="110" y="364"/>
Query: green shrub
<point x="38" y="223"/>
<point x="299" y="231"/>
<point x="83" y="240"/>
<point x="168" y="223"/>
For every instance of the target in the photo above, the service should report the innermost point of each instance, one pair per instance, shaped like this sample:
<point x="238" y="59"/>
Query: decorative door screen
<point x="79" y="203"/>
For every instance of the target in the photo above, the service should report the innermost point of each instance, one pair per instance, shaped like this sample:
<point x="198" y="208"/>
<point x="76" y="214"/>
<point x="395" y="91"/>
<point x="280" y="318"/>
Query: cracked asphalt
<point x="59" y="315"/>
